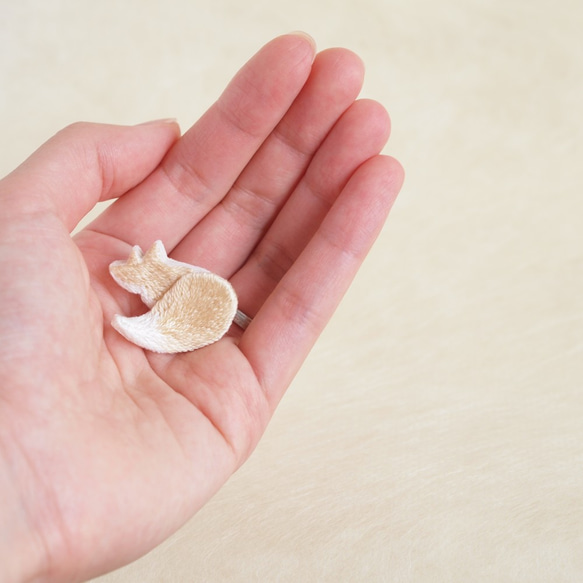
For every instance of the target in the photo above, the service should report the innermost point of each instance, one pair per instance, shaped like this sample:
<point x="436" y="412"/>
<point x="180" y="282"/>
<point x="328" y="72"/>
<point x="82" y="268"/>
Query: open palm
<point x="106" y="448"/>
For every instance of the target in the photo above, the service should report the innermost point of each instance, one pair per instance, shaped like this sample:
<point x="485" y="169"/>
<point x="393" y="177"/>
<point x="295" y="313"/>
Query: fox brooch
<point x="190" y="307"/>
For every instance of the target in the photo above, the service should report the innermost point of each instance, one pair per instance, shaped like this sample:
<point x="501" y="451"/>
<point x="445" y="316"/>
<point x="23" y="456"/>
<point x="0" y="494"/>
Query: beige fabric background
<point x="436" y="432"/>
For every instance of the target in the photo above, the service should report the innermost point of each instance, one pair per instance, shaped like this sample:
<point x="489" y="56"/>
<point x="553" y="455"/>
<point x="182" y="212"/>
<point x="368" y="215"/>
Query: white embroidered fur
<point x="190" y="306"/>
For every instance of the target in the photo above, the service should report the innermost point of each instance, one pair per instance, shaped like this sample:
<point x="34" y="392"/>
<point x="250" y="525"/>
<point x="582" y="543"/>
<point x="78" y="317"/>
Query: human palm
<point x="105" y="449"/>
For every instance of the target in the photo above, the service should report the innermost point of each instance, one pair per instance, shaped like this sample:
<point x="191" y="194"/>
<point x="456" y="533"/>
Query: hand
<point x="106" y="449"/>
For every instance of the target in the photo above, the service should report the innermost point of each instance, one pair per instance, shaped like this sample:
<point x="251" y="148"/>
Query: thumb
<point x="86" y="163"/>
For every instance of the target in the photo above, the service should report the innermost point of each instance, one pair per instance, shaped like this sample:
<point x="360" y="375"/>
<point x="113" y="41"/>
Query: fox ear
<point x="136" y="256"/>
<point x="156" y="252"/>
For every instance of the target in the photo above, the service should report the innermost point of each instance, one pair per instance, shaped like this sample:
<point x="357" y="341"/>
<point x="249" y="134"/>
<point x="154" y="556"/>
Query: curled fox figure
<point x="190" y="306"/>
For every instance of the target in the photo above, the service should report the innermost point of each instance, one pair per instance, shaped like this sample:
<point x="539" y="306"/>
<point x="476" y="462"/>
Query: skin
<point x="106" y="449"/>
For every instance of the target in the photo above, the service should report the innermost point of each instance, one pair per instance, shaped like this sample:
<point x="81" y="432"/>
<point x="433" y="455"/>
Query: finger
<point x="290" y="321"/>
<point x="204" y="164"/>
<point x="87" y="163"/>
<point x="360" y="134"/>
<point x="225" y="237"/>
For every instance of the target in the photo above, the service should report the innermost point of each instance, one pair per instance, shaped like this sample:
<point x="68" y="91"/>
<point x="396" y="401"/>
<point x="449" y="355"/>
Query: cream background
<point x="436" y="432"/>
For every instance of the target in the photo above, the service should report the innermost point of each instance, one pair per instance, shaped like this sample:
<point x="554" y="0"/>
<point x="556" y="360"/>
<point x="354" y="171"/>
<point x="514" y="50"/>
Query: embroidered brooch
<point x="190" y="307"/>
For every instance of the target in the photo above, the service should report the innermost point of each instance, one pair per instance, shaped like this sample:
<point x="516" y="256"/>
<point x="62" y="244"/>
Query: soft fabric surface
<point x="436" y="432"/>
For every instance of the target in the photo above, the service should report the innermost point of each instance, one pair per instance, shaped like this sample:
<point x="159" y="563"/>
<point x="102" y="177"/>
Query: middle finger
<point x="225" y="237"/>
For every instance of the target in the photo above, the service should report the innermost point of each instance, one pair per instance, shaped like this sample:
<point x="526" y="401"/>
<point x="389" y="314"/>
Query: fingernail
<point x="168" y="120"/>
<point x="305" y="35"/>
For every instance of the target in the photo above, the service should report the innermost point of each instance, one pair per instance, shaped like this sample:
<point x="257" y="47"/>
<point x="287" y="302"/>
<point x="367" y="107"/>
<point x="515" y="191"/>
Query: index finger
<point x="202" y="166"/>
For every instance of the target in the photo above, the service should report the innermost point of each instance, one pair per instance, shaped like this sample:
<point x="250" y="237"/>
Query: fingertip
<point x="377" y="115"/>
<point x="361" y="132"/>
<point x="342" y="69"/>
<point x="304" y="36"/>
<point x="395" y="172"/>
<point x="299" y="44"/>
<point x="344" y="60"/>
<point x="384" y="175"/>
<point x="371" y="192"/>
<point x="167" y="127"/>
<point x="171" y="122"/>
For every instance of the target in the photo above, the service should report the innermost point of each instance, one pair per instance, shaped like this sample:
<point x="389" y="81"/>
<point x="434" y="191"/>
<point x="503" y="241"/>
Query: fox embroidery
<point x="190" y="306"/>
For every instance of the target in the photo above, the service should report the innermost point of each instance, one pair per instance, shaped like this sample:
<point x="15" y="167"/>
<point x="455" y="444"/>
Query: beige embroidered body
<point x="190" y="307"/>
